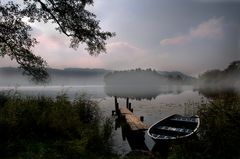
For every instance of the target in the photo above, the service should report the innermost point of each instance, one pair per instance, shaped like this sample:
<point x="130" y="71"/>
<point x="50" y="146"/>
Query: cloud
<point x="124" y="47"/>
<point x="213" y="28"/>
<point x="175" y="40"/>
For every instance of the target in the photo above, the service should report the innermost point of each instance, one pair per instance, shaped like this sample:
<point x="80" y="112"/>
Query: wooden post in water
<point x="116" y="106"/>
<point x="127" y="102"/>
<point x="117" y="109"/>
<point x="115" y="99"/>
<point x="130" y="107"/>
<point x="131" y="110"/>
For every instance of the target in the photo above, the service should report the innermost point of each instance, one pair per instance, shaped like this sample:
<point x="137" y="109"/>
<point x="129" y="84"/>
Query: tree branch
<point x="44" y="7"/>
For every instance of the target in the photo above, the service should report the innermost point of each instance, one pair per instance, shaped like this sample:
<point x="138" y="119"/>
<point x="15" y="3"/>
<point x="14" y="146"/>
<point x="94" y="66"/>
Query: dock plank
<point x="125" y="111"/>
<point x="133" y="121"/>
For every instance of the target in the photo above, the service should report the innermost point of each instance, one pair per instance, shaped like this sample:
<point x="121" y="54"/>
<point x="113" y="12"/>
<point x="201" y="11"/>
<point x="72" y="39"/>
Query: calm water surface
<point x="152" y="105"/>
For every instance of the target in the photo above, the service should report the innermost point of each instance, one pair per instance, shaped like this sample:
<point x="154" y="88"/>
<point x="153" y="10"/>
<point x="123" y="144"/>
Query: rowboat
<point x="174" y="127"/>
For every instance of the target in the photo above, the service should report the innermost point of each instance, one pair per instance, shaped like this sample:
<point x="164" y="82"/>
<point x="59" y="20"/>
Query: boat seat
<point x="157" y="136"/>
<point x="181" y="130"/>
<point x="185" y="119"/>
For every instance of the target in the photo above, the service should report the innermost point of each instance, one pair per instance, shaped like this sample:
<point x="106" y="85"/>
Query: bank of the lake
<point x="217" y="137"/>
<point x="169" y="100"/>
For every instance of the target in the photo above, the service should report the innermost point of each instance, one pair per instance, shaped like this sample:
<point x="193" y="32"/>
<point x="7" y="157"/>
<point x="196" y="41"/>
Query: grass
<point x="42" y="127"/>
<point x="218" y="136"/>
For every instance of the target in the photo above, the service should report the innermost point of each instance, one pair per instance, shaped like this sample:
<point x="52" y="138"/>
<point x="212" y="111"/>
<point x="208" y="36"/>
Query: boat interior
<point x="174" y="127"/>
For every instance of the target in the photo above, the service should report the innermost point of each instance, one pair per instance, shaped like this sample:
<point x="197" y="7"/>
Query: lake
<point x="154" y="103"/>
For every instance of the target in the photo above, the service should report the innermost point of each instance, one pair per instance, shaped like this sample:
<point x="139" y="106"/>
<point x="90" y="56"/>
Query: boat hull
<point x="174" y="127"/>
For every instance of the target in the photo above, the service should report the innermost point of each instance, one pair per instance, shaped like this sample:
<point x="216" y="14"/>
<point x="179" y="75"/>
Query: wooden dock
<point x="134" y="123"/>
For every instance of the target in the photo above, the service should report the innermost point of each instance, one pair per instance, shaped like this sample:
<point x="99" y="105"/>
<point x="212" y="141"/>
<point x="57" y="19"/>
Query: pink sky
<point x="162" y="35"/>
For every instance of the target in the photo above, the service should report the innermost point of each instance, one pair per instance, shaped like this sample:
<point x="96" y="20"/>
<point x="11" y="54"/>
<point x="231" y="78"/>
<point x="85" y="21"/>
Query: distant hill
<point x="65" y="71"/>
<point x="10" y="76"/>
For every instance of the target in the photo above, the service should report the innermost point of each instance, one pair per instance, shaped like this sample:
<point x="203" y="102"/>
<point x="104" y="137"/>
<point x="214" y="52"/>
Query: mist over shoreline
<point x="10" y="76"/>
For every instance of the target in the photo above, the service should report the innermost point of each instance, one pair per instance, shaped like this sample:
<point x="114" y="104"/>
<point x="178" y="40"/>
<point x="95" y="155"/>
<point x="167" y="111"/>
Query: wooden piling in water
<point x="115" y="99"/>
<point x="127" y="103"/>
<point x="130" y="107"/>
<point x="116" y="106"/>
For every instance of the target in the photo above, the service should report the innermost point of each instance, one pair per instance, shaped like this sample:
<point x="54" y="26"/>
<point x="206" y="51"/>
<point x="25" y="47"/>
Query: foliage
<point x="16" y="42"/>
<point x="146" y="77"/>
<point x="41" y="127"/>
<point x="218" y="136"/>
<point x="71" y="18"/>
<point x="227" y="78"/>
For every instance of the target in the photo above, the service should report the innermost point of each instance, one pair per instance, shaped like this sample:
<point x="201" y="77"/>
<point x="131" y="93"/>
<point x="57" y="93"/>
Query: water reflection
<point x="141" y="92"/>
<point x="95" y="91"/>
<point x="152" y="102"/>
<point x="213" y="93"/>
<point x="136" y="140"/>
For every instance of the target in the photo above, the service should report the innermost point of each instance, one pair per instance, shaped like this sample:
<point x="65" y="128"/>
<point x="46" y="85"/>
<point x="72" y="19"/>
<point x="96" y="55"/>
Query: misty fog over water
<point x="151" y="98"/>
<point x="153" y="107"/>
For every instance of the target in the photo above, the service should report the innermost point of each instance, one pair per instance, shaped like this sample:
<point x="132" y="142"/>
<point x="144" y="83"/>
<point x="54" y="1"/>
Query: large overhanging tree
<point x="71" y="17"/>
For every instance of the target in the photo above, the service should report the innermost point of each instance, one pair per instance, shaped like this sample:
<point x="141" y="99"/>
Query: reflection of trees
<point x="136" y="140"/>
<point x="217" y="92"/>
<point x="141" y="92"/>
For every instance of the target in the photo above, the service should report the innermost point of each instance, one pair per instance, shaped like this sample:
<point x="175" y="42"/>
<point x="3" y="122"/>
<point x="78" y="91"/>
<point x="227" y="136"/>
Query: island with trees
<point x="148" y="77"/>
<point x="227" y="79"/>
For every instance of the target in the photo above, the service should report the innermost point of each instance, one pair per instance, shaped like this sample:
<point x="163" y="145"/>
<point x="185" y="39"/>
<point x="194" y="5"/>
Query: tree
<point x="234" y="67"/>
<point x="72" y="19"/>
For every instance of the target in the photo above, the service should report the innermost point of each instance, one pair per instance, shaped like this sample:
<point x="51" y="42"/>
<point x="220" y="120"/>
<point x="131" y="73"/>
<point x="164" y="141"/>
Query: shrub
<point x="42" y="127"/>
<point x="218" y="136"/>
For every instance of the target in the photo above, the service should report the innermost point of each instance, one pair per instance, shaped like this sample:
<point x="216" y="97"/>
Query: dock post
<point x="116" y="106"/>
<point x="117" y="109"/>
<point x="131" y="110"/>
<point x="142" y="118"/>
<point x="127" y="102"/>
<point x="130" y="107"/>
<point x="115" y="98"/>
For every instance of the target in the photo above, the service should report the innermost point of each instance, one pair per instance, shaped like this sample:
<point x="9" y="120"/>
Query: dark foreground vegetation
<point x="41" y="127"/>
<point x="218" y="136"/>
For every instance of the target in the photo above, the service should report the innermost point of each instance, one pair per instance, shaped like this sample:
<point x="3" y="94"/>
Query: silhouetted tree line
<point x="71" y="76"/>
<point x="227" y="78"/>
<point x="144" y="77"/>
<point x="61" y="72"/>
